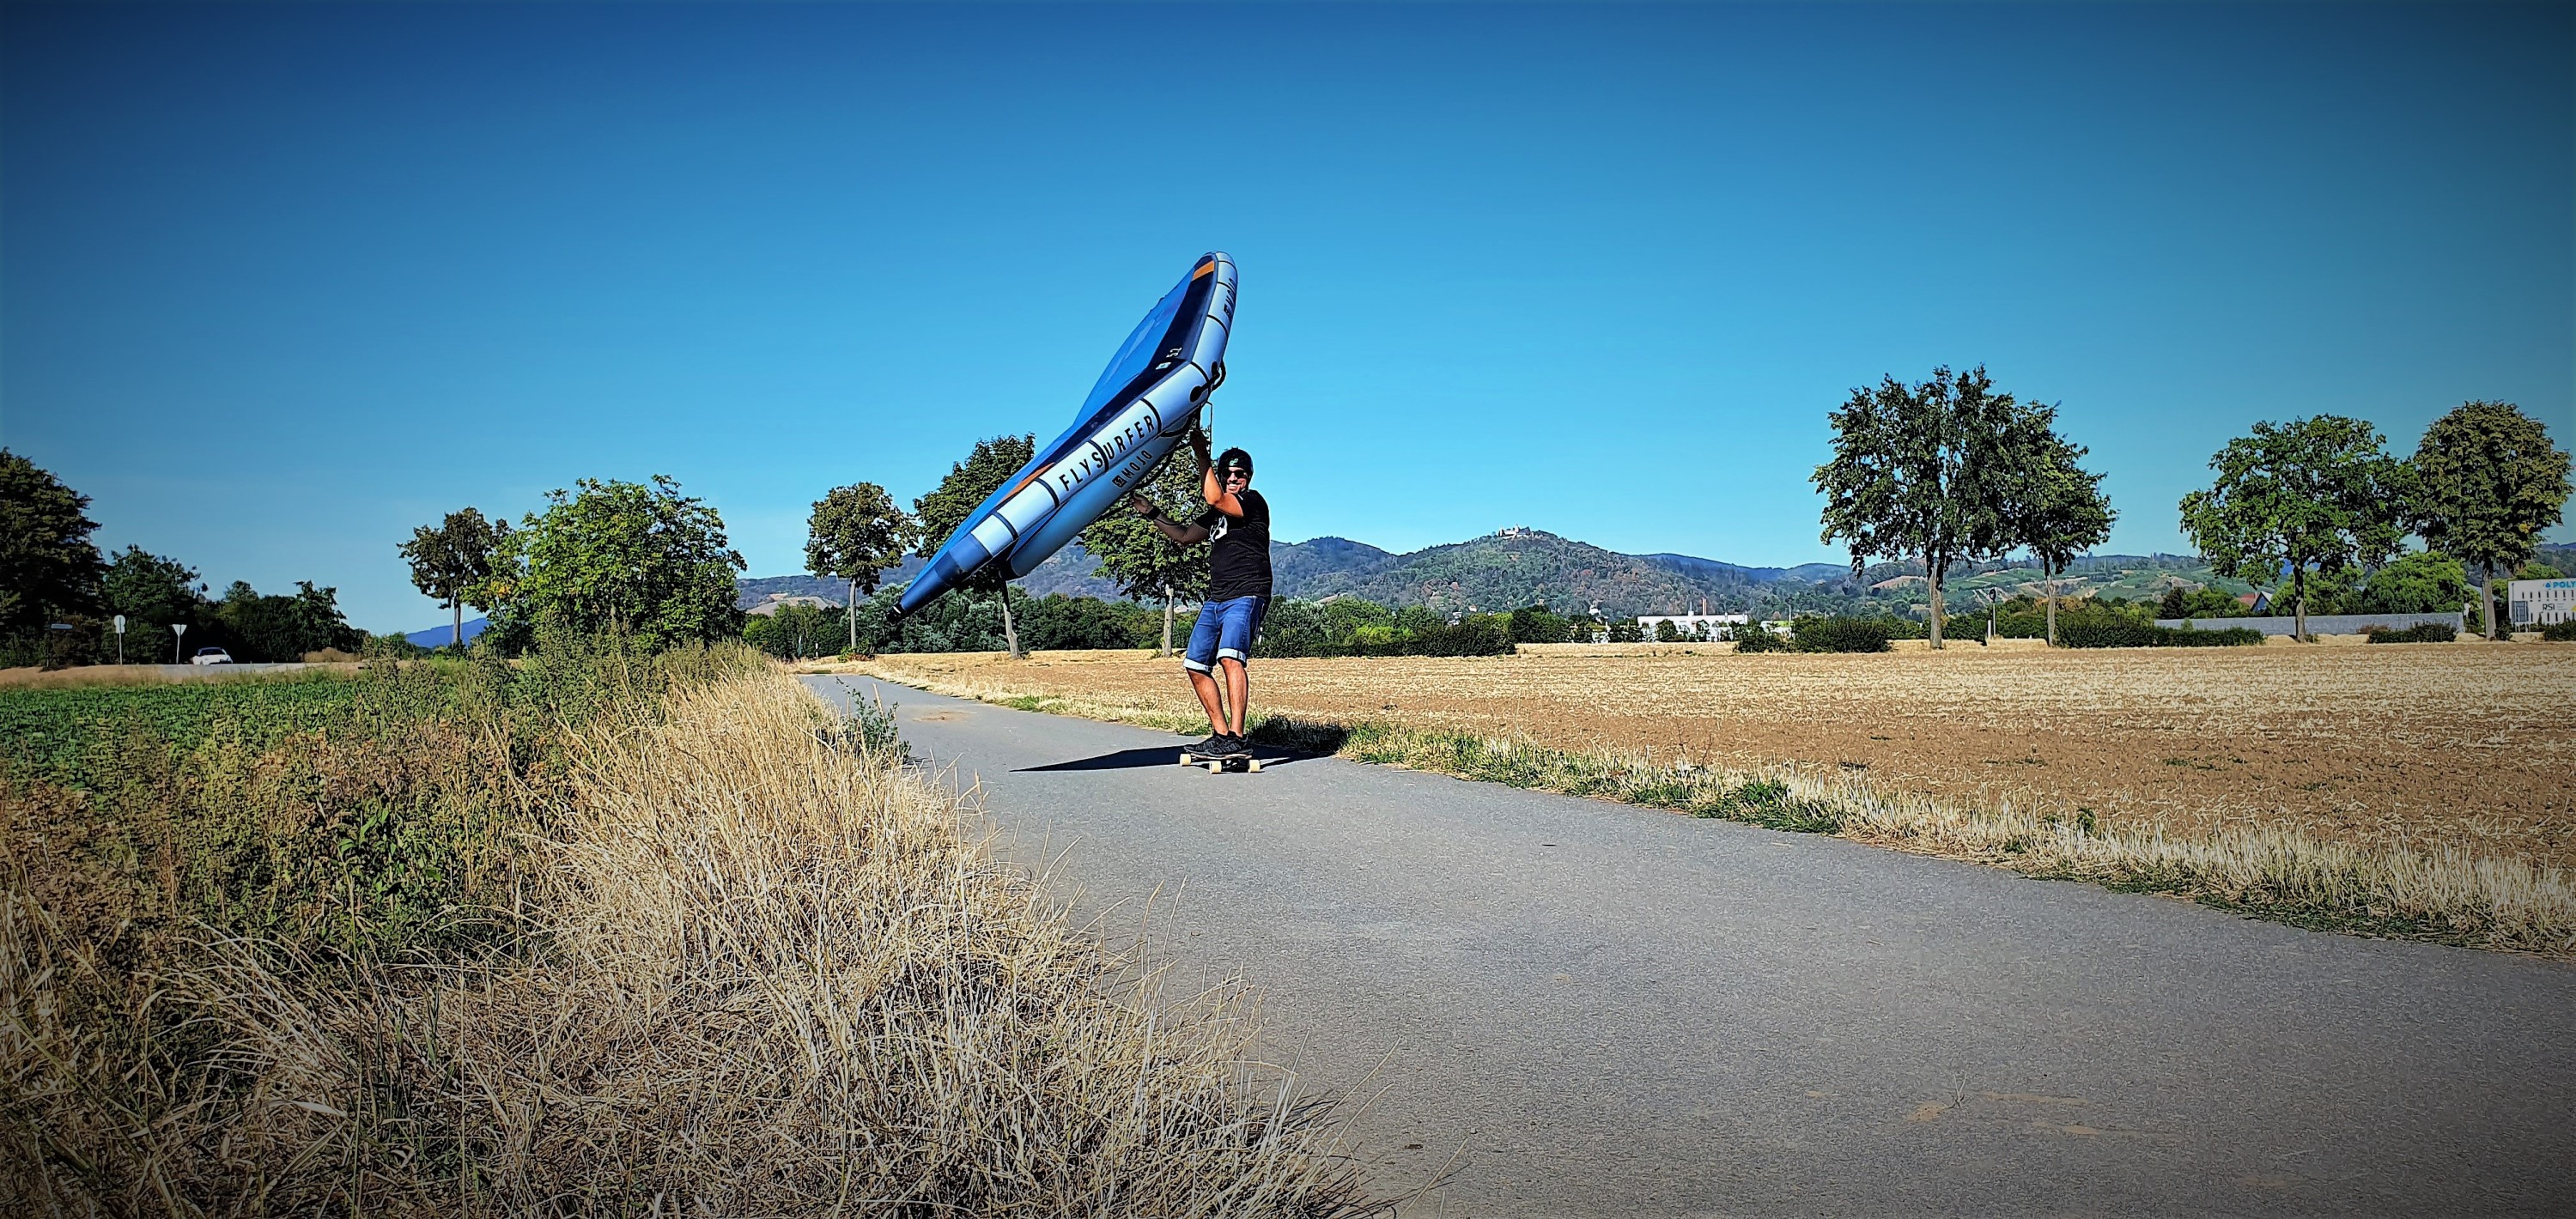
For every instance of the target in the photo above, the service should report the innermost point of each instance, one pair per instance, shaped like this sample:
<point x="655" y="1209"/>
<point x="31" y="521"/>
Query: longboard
<point x="1217" y="766"/>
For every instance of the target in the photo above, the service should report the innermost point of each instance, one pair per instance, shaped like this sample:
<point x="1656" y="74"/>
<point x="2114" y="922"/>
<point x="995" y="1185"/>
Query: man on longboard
<point x="1238" y="590"/>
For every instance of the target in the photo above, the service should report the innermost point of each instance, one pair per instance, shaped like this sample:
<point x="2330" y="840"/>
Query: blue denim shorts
<point x="1224" y="632"/>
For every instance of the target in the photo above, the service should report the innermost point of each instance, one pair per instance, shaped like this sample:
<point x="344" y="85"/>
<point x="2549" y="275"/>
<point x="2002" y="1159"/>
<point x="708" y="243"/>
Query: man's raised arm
<point x="1212" y="484"/>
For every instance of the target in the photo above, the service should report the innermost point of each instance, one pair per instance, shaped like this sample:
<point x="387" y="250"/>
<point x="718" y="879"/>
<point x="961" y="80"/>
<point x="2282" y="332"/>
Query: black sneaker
<point x="1217" y="746"/>
<point x="1234" y="747"/>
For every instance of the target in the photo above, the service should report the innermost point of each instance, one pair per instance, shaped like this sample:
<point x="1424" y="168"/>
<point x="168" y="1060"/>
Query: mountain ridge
<point x="1517" y="567"/>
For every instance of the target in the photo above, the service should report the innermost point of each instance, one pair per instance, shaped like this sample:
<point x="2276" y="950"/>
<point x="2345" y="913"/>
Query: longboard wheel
<point x="1216" y="767"/>
<point x="1254" y="766"/>
<point x="1187" y="760"/>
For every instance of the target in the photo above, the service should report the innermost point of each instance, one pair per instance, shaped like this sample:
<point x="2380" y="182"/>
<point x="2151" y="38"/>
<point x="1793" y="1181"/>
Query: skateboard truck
<point x="1221" y="764"/>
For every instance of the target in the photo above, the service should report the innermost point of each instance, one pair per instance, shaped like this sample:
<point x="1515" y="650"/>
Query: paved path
<point x="1620" y="1011"/>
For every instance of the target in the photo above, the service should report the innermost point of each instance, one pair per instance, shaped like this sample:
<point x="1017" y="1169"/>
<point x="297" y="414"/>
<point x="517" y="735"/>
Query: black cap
<point x="1233" y="459"/>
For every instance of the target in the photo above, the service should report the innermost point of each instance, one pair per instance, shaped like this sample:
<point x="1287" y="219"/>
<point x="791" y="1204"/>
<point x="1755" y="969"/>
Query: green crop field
<point x="52" y="734"/>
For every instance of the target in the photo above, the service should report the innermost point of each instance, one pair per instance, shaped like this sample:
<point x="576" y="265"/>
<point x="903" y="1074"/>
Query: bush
<point x="2560" y="632"/>
<point x="1535" y="624"/>
<point x="1910" y="628"/>
<point x="2232" y="637"/>
<point x="1753" y="637"/>
<point x="2423" y="632"/>
<point x="2115" y="632"/>
<point x="1474" y="635"/>
<point x="1840" y="635"/>
<point x="2106" y="631"/>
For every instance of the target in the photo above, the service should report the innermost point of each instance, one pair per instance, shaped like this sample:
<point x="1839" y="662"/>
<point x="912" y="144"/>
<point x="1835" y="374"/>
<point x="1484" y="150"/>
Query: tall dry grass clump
<point x="756" y="968"/>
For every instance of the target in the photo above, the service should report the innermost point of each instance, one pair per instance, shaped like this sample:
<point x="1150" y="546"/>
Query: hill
<point x="1513" y="568"/>
<point x="1521" y="566"/>
<point x="1071" y="571"/>
<point x="444" y="633"/>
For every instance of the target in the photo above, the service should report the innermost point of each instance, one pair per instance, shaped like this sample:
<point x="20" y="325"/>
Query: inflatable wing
<point x="1142" y="407"/>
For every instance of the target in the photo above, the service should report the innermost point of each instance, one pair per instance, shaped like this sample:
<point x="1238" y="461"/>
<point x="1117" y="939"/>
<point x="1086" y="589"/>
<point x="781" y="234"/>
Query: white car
<point x="211" y="656"/>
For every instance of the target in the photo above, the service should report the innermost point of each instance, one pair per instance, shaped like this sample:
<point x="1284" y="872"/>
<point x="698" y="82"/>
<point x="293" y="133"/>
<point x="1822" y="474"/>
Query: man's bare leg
<point x="1238" y="688"/>
<point x="1206" y="688"/>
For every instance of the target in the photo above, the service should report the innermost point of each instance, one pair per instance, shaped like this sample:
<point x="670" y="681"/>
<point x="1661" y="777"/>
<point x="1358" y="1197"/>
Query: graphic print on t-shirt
<point x="1239" y="549"/>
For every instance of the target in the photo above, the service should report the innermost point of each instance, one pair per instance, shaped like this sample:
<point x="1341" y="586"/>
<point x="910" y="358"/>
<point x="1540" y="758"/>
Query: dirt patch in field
<point x="2424" y="745"/>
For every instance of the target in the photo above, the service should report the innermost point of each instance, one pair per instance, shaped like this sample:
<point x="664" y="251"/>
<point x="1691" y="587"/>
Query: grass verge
<point x="737" y="961"/>
<point x="2442" y="895"/>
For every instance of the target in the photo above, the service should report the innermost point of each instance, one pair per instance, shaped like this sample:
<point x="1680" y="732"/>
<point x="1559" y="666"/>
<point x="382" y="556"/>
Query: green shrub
<point x="1911" y="628"/>
<point x="1474" y="635"/>
<point x="1754" y="637"/>
<point x="1535" y="624"/>
<point x="1301" y="629"/>
<point x="2560" y="632"/>
<point x="2104" y="631"/>
<point x="1840" y="635"/>
<point x="2232" y="637"/>
<point x="2107" y="631"/>
<point x="2422" y="632"/>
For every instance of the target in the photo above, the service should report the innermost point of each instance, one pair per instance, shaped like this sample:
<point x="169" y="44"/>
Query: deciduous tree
<point x="969" y="483"/>
<point x="153" y="592"/>
<point x="855" y="534"/>
<point x="2487" y="481"/>
<point x="266" y="627"/>
<point x="48" y="565"/>
<point x="453" y="562"/>
<point x="1924" y="471"/>
<point x="2424" y="582"/>
<point x="2312" y="494"/>
<point x="620" y="556"/>
<point x="2058" y="509"/>
<point x="1136" y="556"/>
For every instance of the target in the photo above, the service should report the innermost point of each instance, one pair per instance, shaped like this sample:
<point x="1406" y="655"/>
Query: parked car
<point x="211" y="656"/>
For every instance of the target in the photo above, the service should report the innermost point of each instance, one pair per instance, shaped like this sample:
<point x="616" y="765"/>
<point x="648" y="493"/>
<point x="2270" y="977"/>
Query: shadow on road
<point x="1162" y="755"/>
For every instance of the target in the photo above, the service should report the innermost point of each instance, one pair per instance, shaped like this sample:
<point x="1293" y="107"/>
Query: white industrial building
<point x="2537" y="603"/>
<point x="1695" y="626"/>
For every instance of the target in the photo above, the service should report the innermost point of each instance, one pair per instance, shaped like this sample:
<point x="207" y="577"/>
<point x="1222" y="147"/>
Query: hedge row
<point x="1477" y="635"/>
<point x="2422" y="632"/>
<point x="2121" y="633"/>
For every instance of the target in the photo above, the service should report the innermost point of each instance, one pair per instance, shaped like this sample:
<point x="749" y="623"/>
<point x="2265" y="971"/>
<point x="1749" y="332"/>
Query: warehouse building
<point x="1695" y="626"/>
<point x="2538" y="603"/>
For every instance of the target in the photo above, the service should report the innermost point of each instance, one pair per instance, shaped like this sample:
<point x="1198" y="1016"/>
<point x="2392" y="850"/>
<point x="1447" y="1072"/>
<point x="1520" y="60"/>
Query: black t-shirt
<point x="1239" y="549"/>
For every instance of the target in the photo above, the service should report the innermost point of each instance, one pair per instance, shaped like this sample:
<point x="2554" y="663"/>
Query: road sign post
<point x="178" y="641"/>
<point x="120" y="639"/>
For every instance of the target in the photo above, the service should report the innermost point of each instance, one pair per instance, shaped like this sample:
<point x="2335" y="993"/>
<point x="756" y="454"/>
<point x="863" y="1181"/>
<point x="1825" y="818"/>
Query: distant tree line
<point x="59" y="597"/>
<point x="2318" y="504"/>
<point x="1952" y="469"/>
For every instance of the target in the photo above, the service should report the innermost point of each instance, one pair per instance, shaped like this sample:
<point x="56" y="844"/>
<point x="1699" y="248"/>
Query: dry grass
<point x="761" y="970"/>
<point x="1627" y="729"/>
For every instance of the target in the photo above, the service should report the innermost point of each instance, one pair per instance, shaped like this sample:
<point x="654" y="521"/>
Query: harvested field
<point x="2427" y="747"/>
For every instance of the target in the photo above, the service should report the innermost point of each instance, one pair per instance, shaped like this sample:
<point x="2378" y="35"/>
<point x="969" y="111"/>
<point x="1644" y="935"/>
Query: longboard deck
<point x="1216" y="766"/>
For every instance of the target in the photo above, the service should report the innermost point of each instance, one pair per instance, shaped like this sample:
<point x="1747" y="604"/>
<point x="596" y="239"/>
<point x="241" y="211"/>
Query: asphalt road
<point x="1604" y="1010"/>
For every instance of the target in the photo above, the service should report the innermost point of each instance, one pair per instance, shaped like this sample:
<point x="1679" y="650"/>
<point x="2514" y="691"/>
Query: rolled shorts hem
<point x="1225" y="631"/>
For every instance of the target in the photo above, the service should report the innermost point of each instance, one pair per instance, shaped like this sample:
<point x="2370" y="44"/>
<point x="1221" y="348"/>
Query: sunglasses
<point x="1231" y="471"/>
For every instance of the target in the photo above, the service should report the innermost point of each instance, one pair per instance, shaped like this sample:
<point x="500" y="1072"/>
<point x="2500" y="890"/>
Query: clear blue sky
<point x="280" y="281"/>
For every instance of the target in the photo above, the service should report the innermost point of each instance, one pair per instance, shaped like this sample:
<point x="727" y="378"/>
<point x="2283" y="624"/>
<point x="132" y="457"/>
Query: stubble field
<point x="2463" y="747"/>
